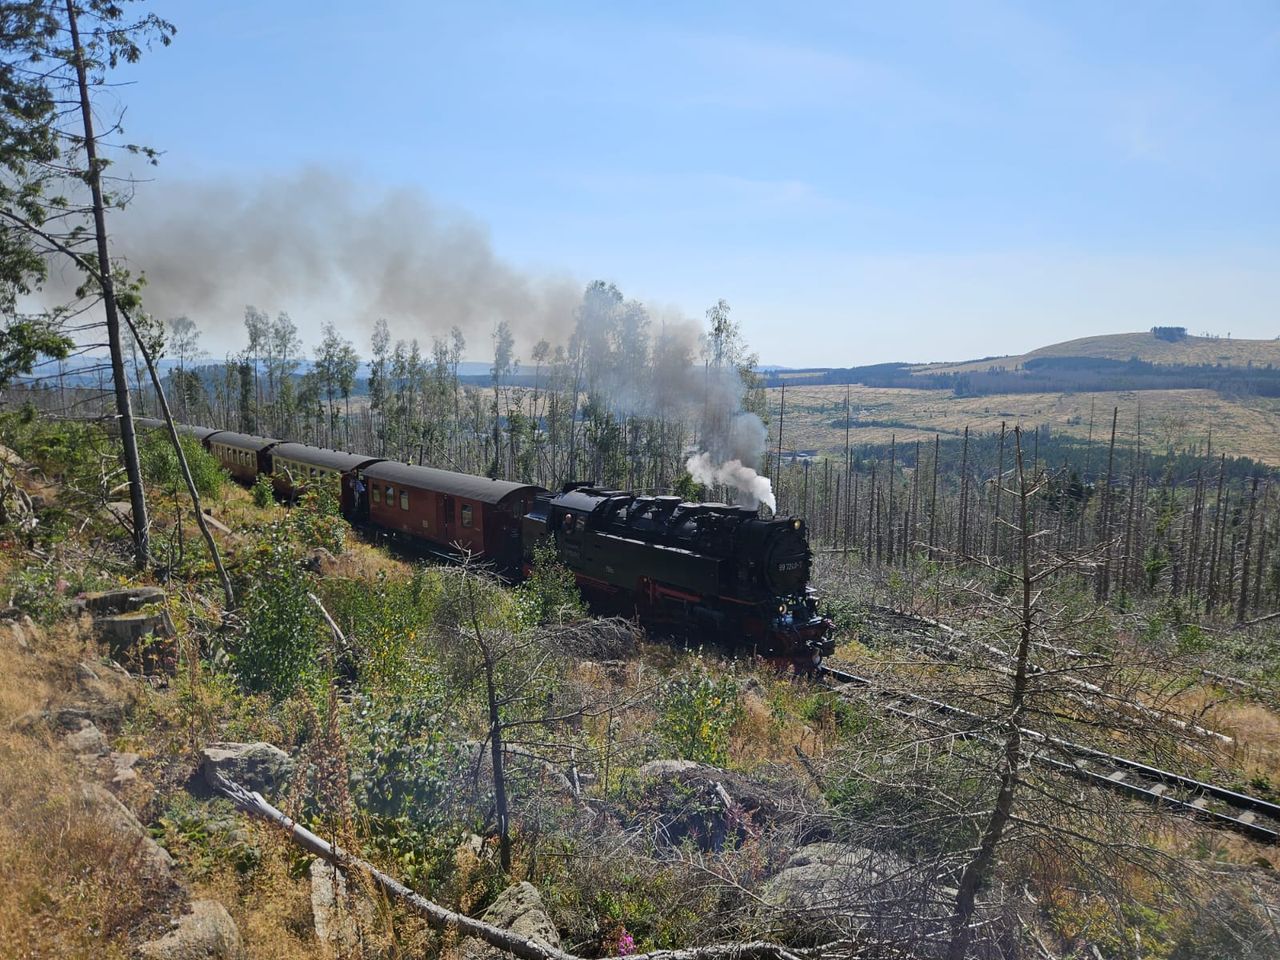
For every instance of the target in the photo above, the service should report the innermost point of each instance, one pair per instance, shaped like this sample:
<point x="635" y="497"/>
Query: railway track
<point x="1218" y="806"/>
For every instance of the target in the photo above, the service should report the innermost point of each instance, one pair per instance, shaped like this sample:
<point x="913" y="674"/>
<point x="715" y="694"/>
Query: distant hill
<point x="1146" y="346"/>
<point x="1189" y="394"/>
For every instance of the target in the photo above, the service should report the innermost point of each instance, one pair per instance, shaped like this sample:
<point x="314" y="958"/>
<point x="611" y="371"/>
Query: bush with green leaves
<point x="318" y="519"/>
<point x="698" y="712"/>
<point x="208" y="836"/>
<point x="162" y="472"/>
<point x="404" y="766"/>
<point x="386" y="620"/>
<point x="279" y="648"/>
<point x="550" y="595"/>
<point x="262" y="492"/>
<point x="37" y="592"/>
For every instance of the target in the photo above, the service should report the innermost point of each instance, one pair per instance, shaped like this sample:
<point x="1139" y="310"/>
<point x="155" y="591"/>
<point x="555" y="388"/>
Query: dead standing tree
<point x="529" y="711"/>
<point x="980" y="797"/>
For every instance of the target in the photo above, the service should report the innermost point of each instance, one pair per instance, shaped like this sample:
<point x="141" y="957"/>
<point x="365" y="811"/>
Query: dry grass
<point x="69" y="885"/>
<point x="1170" y="418"/>
<point x="272" y="905"/>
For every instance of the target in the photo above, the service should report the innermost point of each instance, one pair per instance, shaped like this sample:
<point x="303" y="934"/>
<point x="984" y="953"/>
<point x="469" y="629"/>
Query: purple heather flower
<point x="626" y="944"/>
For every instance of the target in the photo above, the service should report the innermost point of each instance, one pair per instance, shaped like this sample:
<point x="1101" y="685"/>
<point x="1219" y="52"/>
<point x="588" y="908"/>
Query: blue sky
<point x="861" y="182"/>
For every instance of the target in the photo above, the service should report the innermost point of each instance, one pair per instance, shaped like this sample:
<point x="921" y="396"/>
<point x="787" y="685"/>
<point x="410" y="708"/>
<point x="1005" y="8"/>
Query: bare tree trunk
<point x="893" y="463"/>
<point x="1215" y="536"/>
<point x="978" y="870"/>
<point x="1262" y="547"/>
<point x="782" y="412"/>
<point x="499" y="772"/>
<point x="962" y="540"/>
<point x="184" y="467"/>
<point x="124" y="410"/>
<point x="1243" y="608"/>
<point x="1104" y="579"/>
<point x="933" y="502"/>
<point x="995" y="536"/>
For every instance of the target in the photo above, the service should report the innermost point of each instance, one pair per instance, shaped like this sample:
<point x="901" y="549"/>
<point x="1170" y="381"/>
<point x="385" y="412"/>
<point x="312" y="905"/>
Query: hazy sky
<point x="862" y="182"/>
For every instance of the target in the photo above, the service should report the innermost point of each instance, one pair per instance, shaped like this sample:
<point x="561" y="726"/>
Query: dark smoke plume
<point x="313" y="244"/>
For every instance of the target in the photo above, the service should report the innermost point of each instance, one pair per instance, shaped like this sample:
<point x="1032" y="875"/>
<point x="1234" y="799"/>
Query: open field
<point x="1180" y="419"/>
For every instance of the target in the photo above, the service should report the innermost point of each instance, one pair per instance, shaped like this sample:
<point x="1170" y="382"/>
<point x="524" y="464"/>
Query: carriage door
<point x="361" y="497"/>
<point x="448" y="531"/>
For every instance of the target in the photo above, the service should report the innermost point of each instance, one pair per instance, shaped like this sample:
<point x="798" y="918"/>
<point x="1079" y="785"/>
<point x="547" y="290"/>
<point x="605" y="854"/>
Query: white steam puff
<point x="732" y="461"/>
<point x="753" y="489"/>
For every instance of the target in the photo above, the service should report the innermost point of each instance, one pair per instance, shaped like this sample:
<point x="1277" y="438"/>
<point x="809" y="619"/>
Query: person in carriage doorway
<point x="358" y="505"/>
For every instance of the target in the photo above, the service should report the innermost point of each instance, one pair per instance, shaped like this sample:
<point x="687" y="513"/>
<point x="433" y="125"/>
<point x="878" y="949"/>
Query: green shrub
<point x="318" y="519"/>
<point x="403" y="768"/>
<point x="161" y="470"/>
<point x="206" y="837"/>
<point x="698" y="711"/>
<point x="263" y="492"/>
<point x="385" y="620"/>
<point x="37" y="592"/>
<point x="283" y="629"/>
<point x="829" y="709"/>
<point x="550" y="595"/>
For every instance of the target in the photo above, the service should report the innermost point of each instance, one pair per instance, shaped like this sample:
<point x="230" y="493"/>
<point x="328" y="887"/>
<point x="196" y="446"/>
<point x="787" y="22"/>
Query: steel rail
<point x="1121" y="774"/>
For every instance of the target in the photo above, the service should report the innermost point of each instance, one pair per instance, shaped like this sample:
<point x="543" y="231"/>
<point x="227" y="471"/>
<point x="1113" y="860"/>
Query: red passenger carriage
<point x="454" y="512"/>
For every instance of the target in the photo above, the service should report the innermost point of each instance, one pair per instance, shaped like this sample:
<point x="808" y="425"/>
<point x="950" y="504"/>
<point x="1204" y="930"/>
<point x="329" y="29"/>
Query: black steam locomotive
<point x="702" y="568"/>
<point x="709" y="567"/>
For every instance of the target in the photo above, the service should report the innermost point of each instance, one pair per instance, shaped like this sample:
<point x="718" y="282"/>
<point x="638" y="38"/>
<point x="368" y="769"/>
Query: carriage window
<point x="391" y="495"/>
<point x="466" y="514"/>
<point x="313" y="471"/>
<point x="404" y="499"/>
<point x="377" y="493"/>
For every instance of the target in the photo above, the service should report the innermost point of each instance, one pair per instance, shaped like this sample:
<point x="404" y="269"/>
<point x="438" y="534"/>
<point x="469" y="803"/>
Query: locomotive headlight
<point x="782" y="608"/>
<point x="795" y="524"/>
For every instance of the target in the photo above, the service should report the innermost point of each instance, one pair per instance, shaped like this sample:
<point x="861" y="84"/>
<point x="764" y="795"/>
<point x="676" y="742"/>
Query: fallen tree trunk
<point x="445" y="919"/>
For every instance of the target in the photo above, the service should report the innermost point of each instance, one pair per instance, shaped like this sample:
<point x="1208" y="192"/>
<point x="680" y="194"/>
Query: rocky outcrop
<point x="87" y="741"/>
<point x="122" y="769"/>
<point x="342" y="918"/>
<point x="19" y="630"/>
<point x="684" y="801"/>
<point x="321" y="561"/>
<point x="154" y="861"/>
<point x="822" y="885"/>
<point x="206" y="933"/>
<point x="258" y="766"/>
<point x="519" y="909"/>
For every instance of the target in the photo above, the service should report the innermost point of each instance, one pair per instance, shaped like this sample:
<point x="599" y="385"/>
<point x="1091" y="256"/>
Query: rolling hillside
<point x="1125" y="346"/>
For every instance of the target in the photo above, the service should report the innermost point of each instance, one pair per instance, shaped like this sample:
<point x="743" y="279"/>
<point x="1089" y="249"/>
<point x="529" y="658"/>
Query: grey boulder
<point x="206" y="933"/>
<point x="258" y="766"/>
<point x="154" y="861"/>
<point x="519" y="910"/>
